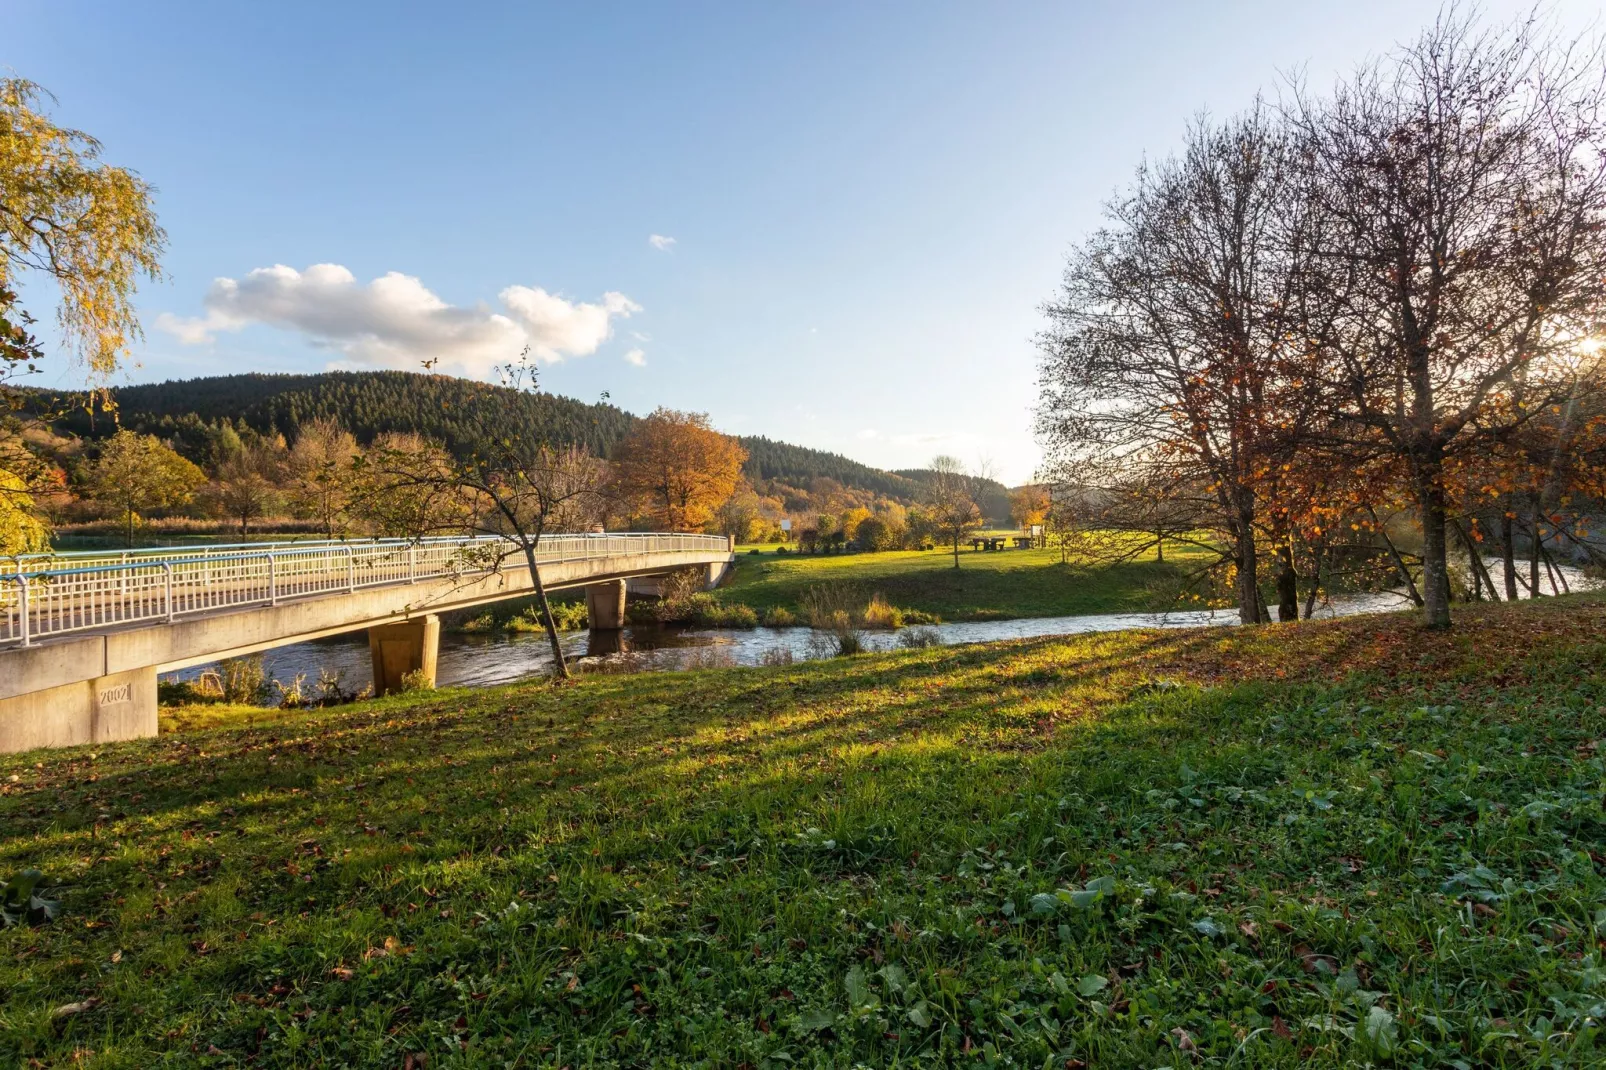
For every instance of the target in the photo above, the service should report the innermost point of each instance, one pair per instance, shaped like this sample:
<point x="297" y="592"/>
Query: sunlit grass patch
<point x="1316" y="844"/>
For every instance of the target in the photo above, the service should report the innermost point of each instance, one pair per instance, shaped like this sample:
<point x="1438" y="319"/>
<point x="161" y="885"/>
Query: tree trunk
<point x="1159" y="547"/>
<point x="1248" y="586"/>
<point x="1553" y="570"/>
<point x="1508" y="557"/>
<point x="1287" y="587"/>
<point x="1480" y="571"/>
<point x="1394" y="553"/>
<point x="1435" y="565"/>
<point x="1315" y="581"/>
<point x="128" y="528"/>
<point x="1533" y="548"/>
<point x="956" y="550"/>
<point x="560" y="668"/>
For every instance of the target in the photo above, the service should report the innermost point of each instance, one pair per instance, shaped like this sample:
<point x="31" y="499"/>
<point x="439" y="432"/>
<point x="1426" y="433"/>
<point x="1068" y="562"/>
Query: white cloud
<point x="869" y="433"/>
<point x="660" y="242"/>
<point x="395" y="322"/>
<point x="638" y="357"/>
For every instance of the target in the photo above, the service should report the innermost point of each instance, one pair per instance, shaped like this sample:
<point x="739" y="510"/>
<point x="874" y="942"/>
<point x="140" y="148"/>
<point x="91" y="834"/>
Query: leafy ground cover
<point x="1011" y="583"/>
<point x="1328" y="844"/>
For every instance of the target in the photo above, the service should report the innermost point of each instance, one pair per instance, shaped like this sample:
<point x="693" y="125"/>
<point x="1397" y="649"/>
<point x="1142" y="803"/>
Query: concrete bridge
<point x="83" y="636"/>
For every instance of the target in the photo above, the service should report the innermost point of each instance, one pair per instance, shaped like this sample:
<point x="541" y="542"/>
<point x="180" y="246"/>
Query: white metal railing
<point x="100" y="589"/>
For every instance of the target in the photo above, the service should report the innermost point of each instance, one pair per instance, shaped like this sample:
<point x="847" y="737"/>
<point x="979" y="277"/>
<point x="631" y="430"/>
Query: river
<point x="479" y="659"/>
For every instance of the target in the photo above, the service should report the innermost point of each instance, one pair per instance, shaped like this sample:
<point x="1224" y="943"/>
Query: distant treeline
<point x="768" y="459"/>
<point x="991" y="496"/>
<point x="369" y="404"/>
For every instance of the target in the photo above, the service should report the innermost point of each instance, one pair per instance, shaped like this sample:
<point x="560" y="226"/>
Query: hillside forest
<point x="257" y="454"/>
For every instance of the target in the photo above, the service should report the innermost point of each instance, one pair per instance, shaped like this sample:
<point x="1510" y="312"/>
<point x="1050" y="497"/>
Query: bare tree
<point x="1461" y="188"/>
<point x="1163" y="369"/>
<point x="514" y="487"/>
<point x="952" y="510"/>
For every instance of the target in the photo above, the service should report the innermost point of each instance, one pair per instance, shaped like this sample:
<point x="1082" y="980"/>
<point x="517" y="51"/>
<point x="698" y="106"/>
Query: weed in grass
<point x="417" y="680"/>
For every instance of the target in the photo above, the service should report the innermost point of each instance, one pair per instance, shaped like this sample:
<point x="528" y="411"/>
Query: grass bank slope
<point x="986" y="586"/>
<point x="1319" y="844"/>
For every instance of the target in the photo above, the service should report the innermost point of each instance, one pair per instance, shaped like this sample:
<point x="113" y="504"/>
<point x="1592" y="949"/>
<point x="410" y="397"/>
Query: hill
<point x="367" y="403"/>
<point x="372" y="403"/>
<point x="768" y="459"/>
<point x="991" y="495"/>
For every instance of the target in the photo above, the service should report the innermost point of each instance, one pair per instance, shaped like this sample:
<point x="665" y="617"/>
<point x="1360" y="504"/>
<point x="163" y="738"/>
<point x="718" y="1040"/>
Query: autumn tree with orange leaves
<point x="677" y="469"/>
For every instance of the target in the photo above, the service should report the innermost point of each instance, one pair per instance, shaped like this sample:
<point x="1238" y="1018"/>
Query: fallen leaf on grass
<point x="67" y="1010"/>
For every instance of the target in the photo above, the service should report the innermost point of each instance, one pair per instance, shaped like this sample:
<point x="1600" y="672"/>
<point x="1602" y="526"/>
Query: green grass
<point x="1317" y="844"/>
<point x="986" y="586"/>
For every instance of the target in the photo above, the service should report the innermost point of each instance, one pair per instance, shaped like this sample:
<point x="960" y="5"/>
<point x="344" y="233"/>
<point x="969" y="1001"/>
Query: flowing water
<point x="476" y="659"/>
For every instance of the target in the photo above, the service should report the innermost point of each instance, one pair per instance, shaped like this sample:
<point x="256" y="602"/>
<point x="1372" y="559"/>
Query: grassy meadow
<point x="1319" y="844"/>
<point x="986" y="586"/>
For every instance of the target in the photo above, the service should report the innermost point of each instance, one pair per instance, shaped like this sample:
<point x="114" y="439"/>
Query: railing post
<point x="412" y="562"/>
<point x="273" y="580"/>
<point x="22" y="581"/>
<point x="351" y="570"/>
<point x="167" y="590"/>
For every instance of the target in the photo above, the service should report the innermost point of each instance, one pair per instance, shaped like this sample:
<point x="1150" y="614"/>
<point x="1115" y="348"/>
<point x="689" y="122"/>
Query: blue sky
<point x="868" y="202"/>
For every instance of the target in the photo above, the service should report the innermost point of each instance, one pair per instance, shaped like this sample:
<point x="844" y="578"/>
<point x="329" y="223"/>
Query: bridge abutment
<point x="397" y="650"/>
<point x="102" y="710"/>
<point x="605" y="606"/>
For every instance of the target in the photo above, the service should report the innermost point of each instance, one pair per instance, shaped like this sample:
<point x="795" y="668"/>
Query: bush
<point x="703" y="610"/>
<point x="711" y="613"/>
<point x="568" y="616"/>
<point x="837" y="643"/>
<point x="417" y="680"/>
<point x="920" y="638"/>
<point x="524" y="615"/>
<point x="778" y="617"/>
<point x="919" y="616"/>
<point x="878" y="614"/>
<point x="823" y="604"/>
<point x="186" y="693"/>
<point x="242" y="679"/>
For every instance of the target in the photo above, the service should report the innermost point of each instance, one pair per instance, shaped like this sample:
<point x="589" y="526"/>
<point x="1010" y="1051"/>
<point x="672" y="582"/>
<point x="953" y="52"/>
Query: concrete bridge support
<point x="409" y="646"/>
<point x="605" y="606"/>
<point x="102" y="710"/>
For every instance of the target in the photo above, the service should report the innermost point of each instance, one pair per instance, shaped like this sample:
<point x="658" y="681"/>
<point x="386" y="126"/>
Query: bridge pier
<point x="605" y="606"/>
<point x="409" y="646"/>
<point x="102" y="710"/>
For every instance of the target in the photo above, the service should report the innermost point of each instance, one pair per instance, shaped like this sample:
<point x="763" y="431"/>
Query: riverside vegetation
<point x="1320" y="844"/>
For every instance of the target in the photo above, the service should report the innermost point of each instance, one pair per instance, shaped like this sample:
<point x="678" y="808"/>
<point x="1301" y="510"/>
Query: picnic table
<point x="1001" y="542"/>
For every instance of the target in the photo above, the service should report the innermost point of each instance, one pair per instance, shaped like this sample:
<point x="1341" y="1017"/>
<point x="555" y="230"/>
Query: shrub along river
<point x="481" y="659"/>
